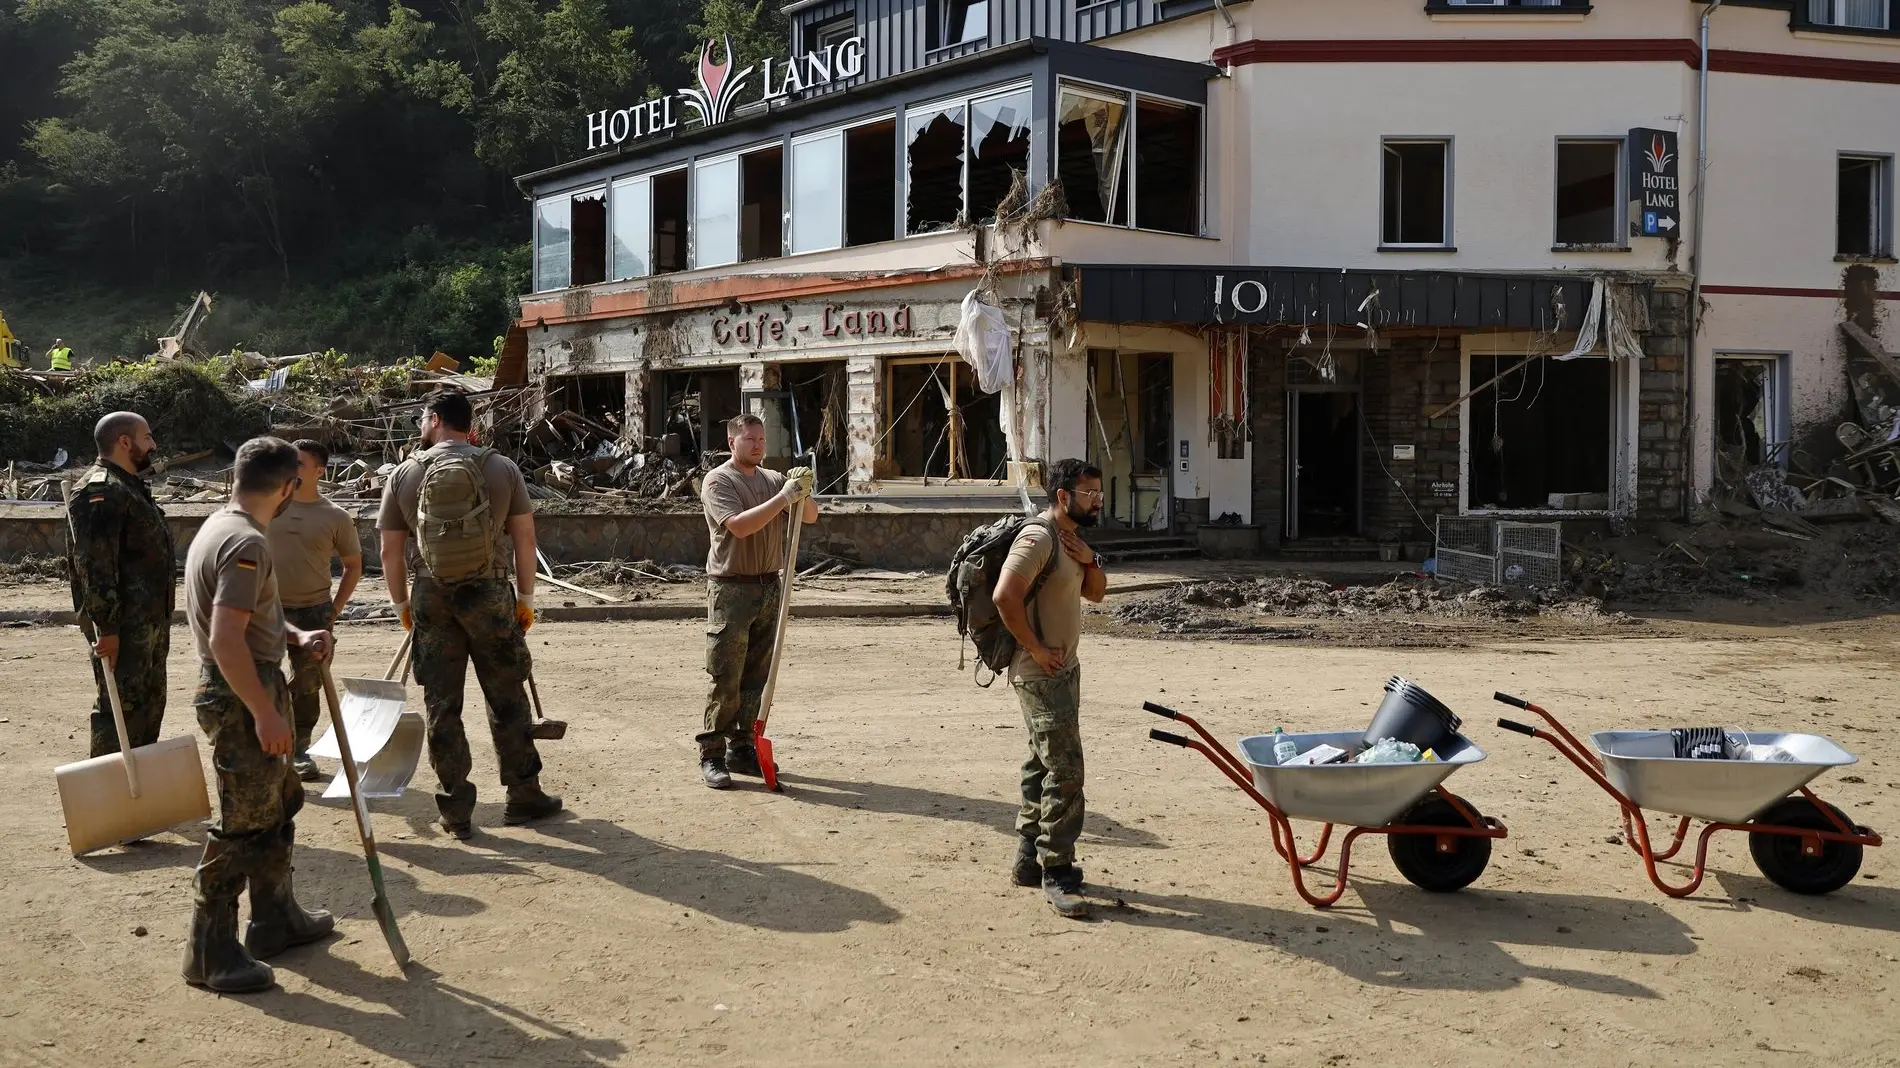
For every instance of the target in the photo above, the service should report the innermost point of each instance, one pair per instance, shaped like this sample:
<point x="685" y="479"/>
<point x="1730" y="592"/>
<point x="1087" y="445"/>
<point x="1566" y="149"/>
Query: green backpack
<point x="452" y="532"/>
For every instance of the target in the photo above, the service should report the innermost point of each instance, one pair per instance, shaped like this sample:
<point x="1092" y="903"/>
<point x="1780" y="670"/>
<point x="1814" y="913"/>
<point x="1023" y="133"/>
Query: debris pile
<point x="1747" y="560"/>
<point x="1224" y="605"/>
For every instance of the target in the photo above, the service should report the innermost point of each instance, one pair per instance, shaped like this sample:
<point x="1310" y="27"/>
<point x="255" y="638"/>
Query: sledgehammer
<point x="545" y="729"/>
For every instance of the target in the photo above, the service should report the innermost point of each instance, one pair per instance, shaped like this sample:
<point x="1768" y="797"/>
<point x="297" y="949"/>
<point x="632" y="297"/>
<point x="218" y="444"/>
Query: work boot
<point x="742" y="758"/>
<point x="277" y="921"/>
<point x="712" y="768"/>
<point x="1062" y="885"/>
<point x="1028" y="870"/>
<point x="213" y="957"/>
<point x="456" y="811"/>
<point x="460" y="830"/>
<point x="526" y="803"/>
<point x="305" y="767"/>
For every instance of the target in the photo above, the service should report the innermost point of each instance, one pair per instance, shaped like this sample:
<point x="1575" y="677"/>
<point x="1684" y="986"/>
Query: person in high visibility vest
<point x="59" y="357"/>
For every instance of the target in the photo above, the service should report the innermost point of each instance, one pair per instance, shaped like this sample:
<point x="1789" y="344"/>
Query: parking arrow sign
<point x="1655" y="193"/>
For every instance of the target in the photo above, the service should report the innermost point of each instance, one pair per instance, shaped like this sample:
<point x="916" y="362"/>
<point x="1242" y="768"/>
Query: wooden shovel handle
<point x="106" y="669"/>
<point x="797" y="515"/>
<point x="408" y="637"/>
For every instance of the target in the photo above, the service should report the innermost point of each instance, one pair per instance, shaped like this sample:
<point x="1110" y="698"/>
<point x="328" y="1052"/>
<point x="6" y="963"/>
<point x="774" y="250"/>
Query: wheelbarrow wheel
<point x="1780" y="858"/>
<point x="1417" y="855"/>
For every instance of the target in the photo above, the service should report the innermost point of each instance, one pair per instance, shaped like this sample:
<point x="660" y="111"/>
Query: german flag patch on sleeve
<point x="246" y="565"/>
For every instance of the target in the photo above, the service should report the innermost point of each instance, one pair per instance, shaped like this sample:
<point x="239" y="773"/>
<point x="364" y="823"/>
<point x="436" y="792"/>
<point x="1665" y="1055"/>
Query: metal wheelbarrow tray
<point x="1799" y="841"/>
<point x="1438" y="840"/>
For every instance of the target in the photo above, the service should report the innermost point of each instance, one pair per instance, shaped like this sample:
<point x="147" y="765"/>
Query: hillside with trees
<point x="338" y="172"/>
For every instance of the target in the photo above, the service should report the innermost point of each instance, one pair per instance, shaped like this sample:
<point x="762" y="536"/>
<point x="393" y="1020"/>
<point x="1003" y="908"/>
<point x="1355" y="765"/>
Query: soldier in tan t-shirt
<point x="1047" y="675"/>
<point x="483" y="620"/>
<point x="746" y="511"/>
<point x="312" y="532"/>
<point x="237" y="625"/>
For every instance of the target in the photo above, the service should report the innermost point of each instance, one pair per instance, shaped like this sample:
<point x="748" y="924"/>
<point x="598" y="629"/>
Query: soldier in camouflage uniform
<point x="1047" y="677"/>
<point x="482" y="618"/>
<point x="121" y="570"/>
<point x="243" y="706"/>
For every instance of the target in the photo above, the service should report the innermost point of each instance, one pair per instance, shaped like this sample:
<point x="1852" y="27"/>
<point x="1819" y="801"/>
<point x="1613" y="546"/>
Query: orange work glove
<point x="403" y="613"/>
<point x="524" y="611"/>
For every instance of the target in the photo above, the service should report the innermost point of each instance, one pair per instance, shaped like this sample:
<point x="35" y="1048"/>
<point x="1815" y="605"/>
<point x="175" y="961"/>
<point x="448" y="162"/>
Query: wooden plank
<point x="1872" y="347"/>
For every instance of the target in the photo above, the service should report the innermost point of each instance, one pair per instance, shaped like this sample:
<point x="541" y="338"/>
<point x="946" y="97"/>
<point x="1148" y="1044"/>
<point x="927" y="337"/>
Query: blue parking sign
<point x="1649" y="223"/>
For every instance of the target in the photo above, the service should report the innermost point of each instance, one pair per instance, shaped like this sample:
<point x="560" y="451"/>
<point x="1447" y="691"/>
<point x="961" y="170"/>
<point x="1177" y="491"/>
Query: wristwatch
<point x="1100" y="563"/>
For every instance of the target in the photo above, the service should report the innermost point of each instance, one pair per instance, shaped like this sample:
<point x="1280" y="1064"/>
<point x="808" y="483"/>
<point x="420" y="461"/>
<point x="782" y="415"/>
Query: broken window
<point x="870" y="177"/>
<point x="1167" y="166"/>
<point x="589" y="219"/>
<point x="1589" y="191"/>
<point x="553" y="243"/>
<point x="1417" y="199"/>
<point x="692" y="408"/>
<point x="1749" y="412"/>
<point x="1091" y="138"/>
<point x="934" y="140"/>
<point x="1540" y="436"/>
<point x="762" y="204"/>
<point x="669" y="222"/>
<point x="716" y="212"/>
<point x="1849" y="14"/>
<point x="633" y="227"/>
<point x="1862" y="214"/>
<point x="999" y="144"/>
<point x="940" y="424"/>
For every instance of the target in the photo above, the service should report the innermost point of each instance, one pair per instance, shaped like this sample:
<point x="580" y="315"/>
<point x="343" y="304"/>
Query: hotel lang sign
<point x="719" y="90"/>
<point x="1655" y="194"/>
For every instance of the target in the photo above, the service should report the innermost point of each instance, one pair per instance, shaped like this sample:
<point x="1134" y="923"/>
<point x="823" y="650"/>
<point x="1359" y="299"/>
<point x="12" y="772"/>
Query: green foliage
<point x="757" y="30"/>
<point x="187" y="408"/>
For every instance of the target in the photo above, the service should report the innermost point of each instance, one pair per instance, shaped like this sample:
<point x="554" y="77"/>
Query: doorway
<point x="1131" y="435"/>
<point x="1323" y="464"/>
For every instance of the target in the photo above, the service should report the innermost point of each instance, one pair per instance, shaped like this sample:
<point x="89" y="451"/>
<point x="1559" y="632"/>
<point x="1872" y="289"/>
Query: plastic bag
<point x="1389" y="751"/>
<point x="983" y="342"/>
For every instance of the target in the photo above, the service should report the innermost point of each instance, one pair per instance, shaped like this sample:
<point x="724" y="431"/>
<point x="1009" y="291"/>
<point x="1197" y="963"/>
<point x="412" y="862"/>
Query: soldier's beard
<point x="1084" y="518"/>
<point x="142" y="462"/>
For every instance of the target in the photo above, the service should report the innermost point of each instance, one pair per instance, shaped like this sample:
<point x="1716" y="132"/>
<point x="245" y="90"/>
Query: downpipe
<point x="1692" y="434"/>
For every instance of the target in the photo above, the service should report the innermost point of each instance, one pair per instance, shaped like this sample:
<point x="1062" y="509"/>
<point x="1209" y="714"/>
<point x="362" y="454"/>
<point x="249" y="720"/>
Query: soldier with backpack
<point x="463" y="503"/>
<point x="1018" y="586"/>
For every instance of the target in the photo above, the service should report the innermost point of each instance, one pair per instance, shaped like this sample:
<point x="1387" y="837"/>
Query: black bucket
<point x="1409" y="714"/>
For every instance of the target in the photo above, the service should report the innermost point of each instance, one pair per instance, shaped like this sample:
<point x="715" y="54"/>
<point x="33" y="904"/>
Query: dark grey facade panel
<point x="1133" y="70"/>
<point x="1296" y="296"/>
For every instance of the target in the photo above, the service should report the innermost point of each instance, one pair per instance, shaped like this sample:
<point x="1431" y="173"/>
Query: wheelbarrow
<point x="1438" y="840"/>
<point x="1799" y="841"/>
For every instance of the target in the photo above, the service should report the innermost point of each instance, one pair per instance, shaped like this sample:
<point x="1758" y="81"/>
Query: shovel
<point x="391" y="739"/>
<point x="133" y="793"/>
<point x="385" y="916"/>
<point x="768" y="768"/>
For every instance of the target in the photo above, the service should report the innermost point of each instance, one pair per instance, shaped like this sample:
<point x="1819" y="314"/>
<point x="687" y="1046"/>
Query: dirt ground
<point x="864" y="917"/>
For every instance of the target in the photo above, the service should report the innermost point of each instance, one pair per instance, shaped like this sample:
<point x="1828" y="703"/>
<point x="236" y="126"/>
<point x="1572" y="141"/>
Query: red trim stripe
<point x="1571" y="50"/>
<point x="1782" y="291"/>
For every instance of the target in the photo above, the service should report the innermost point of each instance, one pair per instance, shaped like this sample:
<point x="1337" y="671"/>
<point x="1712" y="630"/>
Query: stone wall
<point x="879" y="537"/>
<point x="1662" y="439"/>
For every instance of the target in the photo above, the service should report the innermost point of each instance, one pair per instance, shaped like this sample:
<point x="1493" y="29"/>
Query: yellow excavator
<point x="9" y="346"/>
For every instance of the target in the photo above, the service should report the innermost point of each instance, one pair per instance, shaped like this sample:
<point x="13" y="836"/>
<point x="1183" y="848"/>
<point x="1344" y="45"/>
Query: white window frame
<point x="1882" y="214"/>
<point x="1833" y="15"/>
<point x="1619" y="227"/>
<point x="1781" y="400"/>
<point x="835" y="30"/>
<point x="1622" y="428"/>
<point x="534" y="235"/>
<point x="963" y="179"/>
<point x="1448" y="242"/>
<point x="692" y="201"/>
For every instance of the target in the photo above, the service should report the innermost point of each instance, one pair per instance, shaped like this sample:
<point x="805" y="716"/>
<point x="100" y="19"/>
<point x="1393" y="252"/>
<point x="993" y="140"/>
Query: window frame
<point x="1780" y="384"/>
<point x="815" y="34"/>
<point x="1447" y="242"/>
<point x="646" y="176"/>
<point x="602" y="187"/>
<point x="692" y="201"/>
<point x="939" y="104"/>
<point x="1130" y="100"/>
<point x="945" y="9"/>
<point x="791" y="174"/>
<point x="1619" y="231"/>
<point x="1622" y="428"/>
<point x="1882" y="215"/>
<point x="1804" y="12"/>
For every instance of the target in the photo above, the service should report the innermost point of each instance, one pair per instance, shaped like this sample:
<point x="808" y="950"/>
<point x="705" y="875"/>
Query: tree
<point x="756" y="30"/>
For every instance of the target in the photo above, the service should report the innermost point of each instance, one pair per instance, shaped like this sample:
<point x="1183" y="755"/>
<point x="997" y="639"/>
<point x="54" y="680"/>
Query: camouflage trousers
<point x="258" y="794"/>
<point x="1051" y="813"/>
<point x="455" y="623"/>
<point x="140" y="673"/>
<point x="740" y="620"/>
<point x="306" y="674"/>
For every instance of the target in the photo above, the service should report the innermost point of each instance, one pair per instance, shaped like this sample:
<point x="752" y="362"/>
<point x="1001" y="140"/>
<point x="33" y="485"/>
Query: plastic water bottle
<point x="1283" y="747"/>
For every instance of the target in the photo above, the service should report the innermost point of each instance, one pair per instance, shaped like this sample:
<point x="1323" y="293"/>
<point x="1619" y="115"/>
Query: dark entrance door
<point x="1323" y="464"/>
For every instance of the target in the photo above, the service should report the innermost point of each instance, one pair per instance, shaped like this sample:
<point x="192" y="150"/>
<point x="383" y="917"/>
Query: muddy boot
<point x="277" y="921"/>
<point x="305" y="767"/>
<point x="213" y="958"/>
<point x="742" y="758"/>
<point x="457" y="812"/>
<point x="1063" y="887"/>
<point x="526" y="803"/>
<point x="712" y="768"/>
<point x="1027" y="870"/>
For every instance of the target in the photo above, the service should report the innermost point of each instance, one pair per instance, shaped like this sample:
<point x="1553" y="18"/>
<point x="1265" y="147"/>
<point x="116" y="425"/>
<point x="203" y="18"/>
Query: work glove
<point x="404" y="614"/>
<point x="524" y="611"/>
<point x="802" y="478"/>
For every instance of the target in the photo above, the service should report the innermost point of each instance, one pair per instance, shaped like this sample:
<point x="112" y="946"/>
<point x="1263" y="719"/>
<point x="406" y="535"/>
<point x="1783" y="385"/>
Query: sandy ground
<point x="864" y="917"/>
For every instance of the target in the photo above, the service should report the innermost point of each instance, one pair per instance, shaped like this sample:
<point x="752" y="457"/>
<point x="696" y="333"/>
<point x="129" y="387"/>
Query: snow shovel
<point x="133" y="793"/>
<point x="767" y="767"/>
<point x="390" y="738"/>
<point x="385" y="916"/>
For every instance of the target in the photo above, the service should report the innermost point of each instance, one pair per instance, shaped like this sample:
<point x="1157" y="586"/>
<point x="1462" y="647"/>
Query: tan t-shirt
<point x="727" y="492"/>
<point x="507" y="498"/>
<point x="1056" y="610"/>
<point x="229" y="564"/>
<point x="302" y="542"/>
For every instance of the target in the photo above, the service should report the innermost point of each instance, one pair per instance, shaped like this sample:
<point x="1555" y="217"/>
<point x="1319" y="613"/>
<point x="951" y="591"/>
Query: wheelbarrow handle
<point x="1160" y="710"/>
<point x="1521" y="728"/>
<point x="1171" y="739"/>
<point x="1514" y="702"/>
